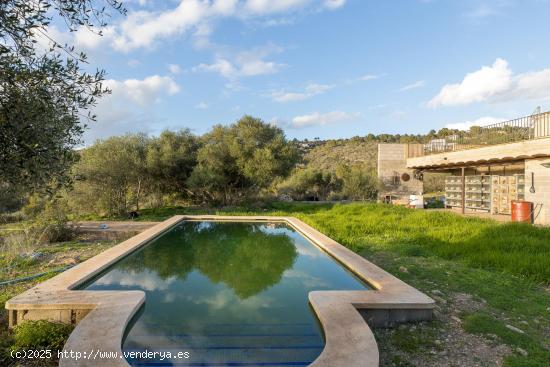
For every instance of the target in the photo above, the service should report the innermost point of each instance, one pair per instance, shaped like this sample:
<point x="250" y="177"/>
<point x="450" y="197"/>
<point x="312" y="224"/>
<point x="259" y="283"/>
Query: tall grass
<point x="516" y="248"/>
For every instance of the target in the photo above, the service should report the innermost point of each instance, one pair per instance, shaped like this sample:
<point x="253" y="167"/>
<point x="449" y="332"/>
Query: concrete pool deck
<point x="101" y="317"/>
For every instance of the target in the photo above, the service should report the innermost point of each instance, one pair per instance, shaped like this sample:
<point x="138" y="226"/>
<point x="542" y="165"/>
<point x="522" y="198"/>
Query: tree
<point x="43" y="93"/>
<point x="112" y="175"/>
<point x="170" y="160"/>
<point x="241" y="159"/>
<point x="358" y="183"/>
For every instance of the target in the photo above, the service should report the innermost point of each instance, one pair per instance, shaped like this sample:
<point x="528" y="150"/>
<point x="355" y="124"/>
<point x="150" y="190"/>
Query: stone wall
<point x="392" y="164"/>
<point x="541" y="197"/>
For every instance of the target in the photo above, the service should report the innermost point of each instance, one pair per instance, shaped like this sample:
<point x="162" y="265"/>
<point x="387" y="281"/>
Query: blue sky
<point x="320" y="68"/>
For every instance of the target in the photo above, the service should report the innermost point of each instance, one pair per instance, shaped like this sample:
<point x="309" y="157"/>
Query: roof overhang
<point x="493" y="154"/>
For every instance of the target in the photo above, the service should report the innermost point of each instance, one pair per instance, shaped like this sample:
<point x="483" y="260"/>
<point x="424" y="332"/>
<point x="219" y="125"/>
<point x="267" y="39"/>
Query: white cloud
<point x="85" y="38"/>
<point x="481" y="11"/>
<point x="310" y="91"/>
<point x="174" y="69"/>
<point x="47" y="37"/>
<point x="133" y="63"/>
<point x="415" y="85"/>
<point x="144" y="28"/>
<point x="320" y="119"/>
<point x="334" y="4"/>
<point x="243" y="64"/>
<point x="129" y="107"/>
<point x="495" y="83"/>
<point x="201" y="106"/>
<point x="270" y="6"/>
<point x="221" y="66"/>
<point x="141" y="29"/>
<point x="146" y="280"/>
<point x="532" y="85"/>
<point x="258" y="67"/>
<point x="369" y="77"/>
<point x="143" y="92"/>
<point x="482" y="121"/>
<point x="477" y="86"/>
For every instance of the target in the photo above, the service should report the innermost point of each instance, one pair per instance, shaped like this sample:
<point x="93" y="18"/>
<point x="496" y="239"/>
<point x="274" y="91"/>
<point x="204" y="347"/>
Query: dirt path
<point x="112" y="229"/>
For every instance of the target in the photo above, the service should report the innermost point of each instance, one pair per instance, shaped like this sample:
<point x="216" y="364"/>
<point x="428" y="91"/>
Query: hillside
<point x="331" y="153"/>
<point x="328" y="155"/>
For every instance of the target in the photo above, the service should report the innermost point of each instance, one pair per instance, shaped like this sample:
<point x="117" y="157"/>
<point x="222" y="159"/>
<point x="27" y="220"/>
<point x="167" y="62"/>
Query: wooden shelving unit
<point x="478" y="193"/>
<point x="453" y="191"/>
<point x="492" y="194"/>
<point x="506" y="189"/>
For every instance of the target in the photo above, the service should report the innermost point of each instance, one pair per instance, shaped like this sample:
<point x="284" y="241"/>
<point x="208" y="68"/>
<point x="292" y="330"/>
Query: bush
<point x="40" y="335"/>
<point x="52" y="224"/>
<point x="309" y="184"/>
<point x="358" y="183"/>
<point x="11" y="217"/>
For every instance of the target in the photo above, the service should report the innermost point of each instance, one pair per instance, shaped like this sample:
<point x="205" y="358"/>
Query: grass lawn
<point x="490" y="280"/>
<point x="487" y="278"/>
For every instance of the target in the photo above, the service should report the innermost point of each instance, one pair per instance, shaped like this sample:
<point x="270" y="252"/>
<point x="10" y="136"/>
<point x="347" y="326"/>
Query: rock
<point x="35" y="256"/>
<point x="455" y="318"/>
<point x="437" y="292"/>
<point x="70" y="261"/>
<point x="522" y="351"/>
<point x="524" y="322"/>
<point x="513" y="328"/>
<point x="462" y="297"/>
<point x="403" y="269"/>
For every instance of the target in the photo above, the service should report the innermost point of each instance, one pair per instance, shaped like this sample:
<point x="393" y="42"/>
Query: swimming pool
<point x="228" y="293"/>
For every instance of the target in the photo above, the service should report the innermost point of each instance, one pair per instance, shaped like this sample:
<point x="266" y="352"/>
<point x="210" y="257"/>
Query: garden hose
<point x="31" y="277"/>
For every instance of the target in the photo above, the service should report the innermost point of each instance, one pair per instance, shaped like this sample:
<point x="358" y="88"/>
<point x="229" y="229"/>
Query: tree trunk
<point x="137" y="195"/>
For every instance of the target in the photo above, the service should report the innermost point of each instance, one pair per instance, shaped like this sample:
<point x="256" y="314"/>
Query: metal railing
<point x="521" y="129"/>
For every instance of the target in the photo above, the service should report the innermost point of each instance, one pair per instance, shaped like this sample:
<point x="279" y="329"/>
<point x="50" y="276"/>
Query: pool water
<point x="229" y="294"/>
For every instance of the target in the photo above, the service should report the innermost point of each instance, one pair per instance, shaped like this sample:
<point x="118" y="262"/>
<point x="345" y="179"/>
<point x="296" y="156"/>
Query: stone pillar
<point x="392" y="164"/>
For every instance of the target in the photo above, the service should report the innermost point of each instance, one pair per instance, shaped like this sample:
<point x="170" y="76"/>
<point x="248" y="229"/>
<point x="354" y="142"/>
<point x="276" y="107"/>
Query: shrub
<point x="40" y="335"/>
<point x="52" y="224"/>
<point x="309" y="184"/>
<point x="11" y="217"/>
<point x="358" y="183"/>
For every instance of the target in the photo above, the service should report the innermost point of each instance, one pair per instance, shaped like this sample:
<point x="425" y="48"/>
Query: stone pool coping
<point x="101" y="317"/>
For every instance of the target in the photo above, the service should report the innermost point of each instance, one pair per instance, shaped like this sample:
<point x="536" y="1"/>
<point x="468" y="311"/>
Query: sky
<point x="319" y="68"/>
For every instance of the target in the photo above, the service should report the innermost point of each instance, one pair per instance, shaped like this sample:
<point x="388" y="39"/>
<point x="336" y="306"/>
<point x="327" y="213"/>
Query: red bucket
<point x="522" y="211"/>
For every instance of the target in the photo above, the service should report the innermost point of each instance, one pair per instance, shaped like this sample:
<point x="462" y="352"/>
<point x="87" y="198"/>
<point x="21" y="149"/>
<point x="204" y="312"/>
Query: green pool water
<point x="229" y="294"/>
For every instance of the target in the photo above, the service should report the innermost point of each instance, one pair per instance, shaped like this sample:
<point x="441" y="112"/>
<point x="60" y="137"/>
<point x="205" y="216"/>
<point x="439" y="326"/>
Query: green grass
<point x="487" y="325"/>
<point x="514" y="248"/>
<point x="504" y="267"/>
<point x="502" y="298"/>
